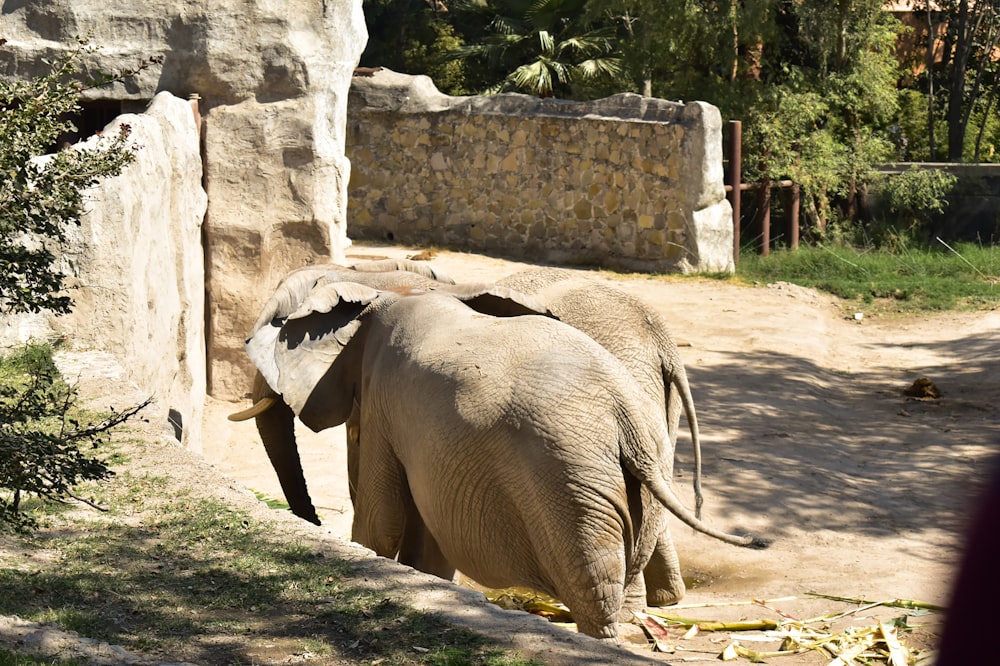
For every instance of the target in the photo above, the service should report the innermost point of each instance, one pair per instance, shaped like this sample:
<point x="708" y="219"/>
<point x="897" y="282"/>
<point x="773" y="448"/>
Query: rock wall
<point x="136" y="270"/>
<point x="627" y="182"/>
<point x="272" y="78"/>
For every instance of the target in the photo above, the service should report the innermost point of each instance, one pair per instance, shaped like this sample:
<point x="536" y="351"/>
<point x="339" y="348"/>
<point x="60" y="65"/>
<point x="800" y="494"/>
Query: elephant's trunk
<point x="276" y="425"/>
<point x="277" y="430"/>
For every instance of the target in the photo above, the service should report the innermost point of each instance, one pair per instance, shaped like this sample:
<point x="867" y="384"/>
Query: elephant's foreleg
<point x="353" y="431"/>
<point x="382" y="499"/>
<point x="419" y="549"/>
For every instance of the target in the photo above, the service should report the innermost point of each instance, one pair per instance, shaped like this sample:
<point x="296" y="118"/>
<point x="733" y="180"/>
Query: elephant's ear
<point x="294" y="289"/>
<point x="294" y="352"/>
<point x="417" y="267"/>
<point x="497" y="301"/>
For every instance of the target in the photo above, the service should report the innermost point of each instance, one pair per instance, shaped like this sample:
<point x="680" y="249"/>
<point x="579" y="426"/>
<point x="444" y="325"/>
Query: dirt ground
<point x="807" y="438"/>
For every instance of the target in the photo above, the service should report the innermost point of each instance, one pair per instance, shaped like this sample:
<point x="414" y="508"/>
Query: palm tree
<point x="537" y="47"/>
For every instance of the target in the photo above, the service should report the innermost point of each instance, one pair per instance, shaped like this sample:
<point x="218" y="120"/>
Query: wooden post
<point x="794" y="197"/>
<point x="764" y="211"/>
<point x="735" y="176"/>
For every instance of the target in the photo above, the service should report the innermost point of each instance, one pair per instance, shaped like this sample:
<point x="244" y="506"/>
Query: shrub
<point x="912" y="199"/>
<point x="43" y="442"/>
<point x="41" y="198"/>
<point x="44" y="439"/>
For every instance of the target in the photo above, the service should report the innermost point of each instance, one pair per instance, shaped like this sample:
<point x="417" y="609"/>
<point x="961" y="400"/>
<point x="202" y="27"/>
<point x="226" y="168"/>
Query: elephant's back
<point x="621" y="323"/>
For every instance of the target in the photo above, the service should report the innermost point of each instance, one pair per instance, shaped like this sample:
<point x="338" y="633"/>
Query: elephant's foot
<point x="605" y="632"/>
<point x="596" y="614"/>
<point x="664" y="584"/>
<point x="663" y="597"/>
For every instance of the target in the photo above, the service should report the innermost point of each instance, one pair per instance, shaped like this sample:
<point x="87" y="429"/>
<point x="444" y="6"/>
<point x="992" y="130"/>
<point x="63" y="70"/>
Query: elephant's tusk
<point x="256" y="409"/>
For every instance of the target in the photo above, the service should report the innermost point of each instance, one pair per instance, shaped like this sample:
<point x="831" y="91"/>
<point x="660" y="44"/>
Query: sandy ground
<point x="807" y="439"/>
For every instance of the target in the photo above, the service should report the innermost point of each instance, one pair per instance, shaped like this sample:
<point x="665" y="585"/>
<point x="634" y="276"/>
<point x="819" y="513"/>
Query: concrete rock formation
<point x="272" y="80"/>
<point x="136" y="273"/>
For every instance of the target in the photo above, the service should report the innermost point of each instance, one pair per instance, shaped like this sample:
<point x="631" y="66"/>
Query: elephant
<point x="619" y="322"/>
<point x="274" y="419"/>
<point x="493" y="438"/>
<point x="638" y="337"/>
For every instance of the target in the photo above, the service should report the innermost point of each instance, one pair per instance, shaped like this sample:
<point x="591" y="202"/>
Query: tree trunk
<point x="982" y="127"/>
<point x="956" y="84"/>
<point x="932" y="146"/>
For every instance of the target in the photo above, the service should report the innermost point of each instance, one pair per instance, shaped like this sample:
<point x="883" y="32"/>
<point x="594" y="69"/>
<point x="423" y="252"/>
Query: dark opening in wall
<point x="93" y="117"/>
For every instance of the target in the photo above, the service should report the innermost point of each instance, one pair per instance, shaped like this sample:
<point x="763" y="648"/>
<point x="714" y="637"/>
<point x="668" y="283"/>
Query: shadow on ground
<point x="846" y="451"/>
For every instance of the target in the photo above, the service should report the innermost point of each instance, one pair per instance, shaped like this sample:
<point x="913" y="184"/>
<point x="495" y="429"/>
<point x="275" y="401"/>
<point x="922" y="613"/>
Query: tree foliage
<point x="44" y="441"/>
<point x="43" y="446"/>
<point x="415" y="36"/>
<point x="958" y="77"/>
<point x="539" y="47"/>
<point x="41" y="194"/>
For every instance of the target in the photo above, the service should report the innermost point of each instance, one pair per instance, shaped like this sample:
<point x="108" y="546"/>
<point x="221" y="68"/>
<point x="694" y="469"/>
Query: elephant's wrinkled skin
<point x="625" y="326"/>
<point x="516" y="449"/>
<point x="638" y="337"/>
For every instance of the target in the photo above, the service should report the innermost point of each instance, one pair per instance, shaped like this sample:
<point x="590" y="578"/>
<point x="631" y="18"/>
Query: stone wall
<point x="136" y="270"/>
<point x="272" y="78"/>
<point x="972" y="213"/>
<point x="627" y="182"/>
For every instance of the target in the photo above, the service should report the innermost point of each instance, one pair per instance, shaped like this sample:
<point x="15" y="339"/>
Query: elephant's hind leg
<point x="419" y="549"/>
<point x="664" y="584"/>
<point x="591" y="582"/>
<point x="596" y="608"/>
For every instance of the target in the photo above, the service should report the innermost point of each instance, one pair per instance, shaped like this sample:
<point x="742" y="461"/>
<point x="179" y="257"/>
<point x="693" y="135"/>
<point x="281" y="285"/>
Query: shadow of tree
<point x="828" y="450"/>
<point x="225" y="593"/>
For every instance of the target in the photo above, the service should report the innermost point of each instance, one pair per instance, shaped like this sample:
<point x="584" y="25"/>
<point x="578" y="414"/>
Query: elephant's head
<point x="275" y="421"/>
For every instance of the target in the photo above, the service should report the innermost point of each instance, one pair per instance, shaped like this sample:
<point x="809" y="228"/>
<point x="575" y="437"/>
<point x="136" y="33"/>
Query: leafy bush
<point x="918" y="193"/>
<point x="912" y="200"/>
<point x="42" y="198"/>
<point x="44" y="439"/>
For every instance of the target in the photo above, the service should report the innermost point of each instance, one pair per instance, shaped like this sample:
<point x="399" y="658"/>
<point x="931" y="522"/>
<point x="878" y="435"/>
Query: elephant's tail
<point x="647" y="470"/>
<point x="662" y="492"/>
<point x="678" y="379"/>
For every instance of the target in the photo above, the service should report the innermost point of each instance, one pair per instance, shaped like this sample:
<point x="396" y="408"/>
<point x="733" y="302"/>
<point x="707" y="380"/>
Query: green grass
<point x="934" y="278"/>
<point x="167" y="572"/>
<point x="8" y="658"/>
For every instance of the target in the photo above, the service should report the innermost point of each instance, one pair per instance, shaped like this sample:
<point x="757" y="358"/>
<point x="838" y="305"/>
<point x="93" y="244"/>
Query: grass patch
<point x="171" y="573"/>
<point x="933" y="278"/>
<point x="272" y="502"/>
<point x="8" y="658"/>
